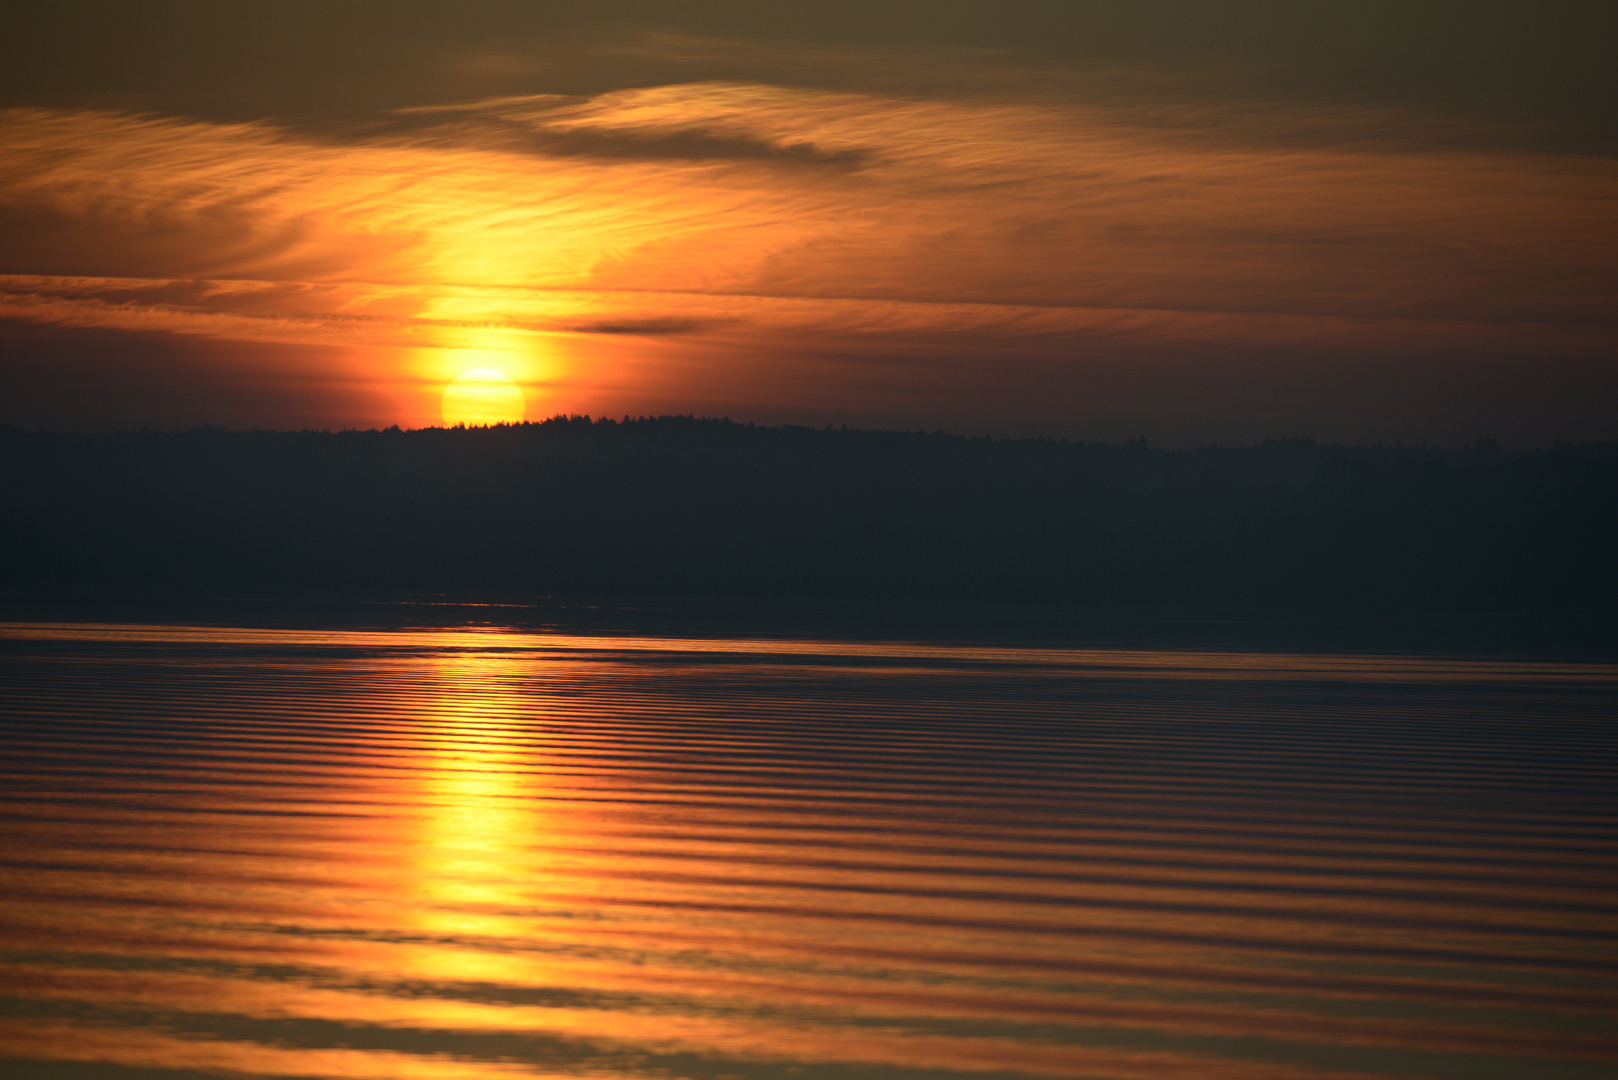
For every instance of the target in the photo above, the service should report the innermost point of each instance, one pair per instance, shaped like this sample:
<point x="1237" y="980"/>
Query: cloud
<point x="672" y="187"/>
<point x="905" y="238"/>
<point x="540" y="125"/>
<point x="646" y="327"/>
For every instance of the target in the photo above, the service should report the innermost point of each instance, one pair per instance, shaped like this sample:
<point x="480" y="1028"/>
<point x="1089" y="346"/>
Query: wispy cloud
<point x="752" y="220"/>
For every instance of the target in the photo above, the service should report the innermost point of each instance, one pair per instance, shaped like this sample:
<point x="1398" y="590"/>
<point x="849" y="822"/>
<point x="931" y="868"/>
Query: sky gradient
<point x="1196" y="222"/>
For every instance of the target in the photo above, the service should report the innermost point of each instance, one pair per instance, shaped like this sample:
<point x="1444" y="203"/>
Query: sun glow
<point x="622" y="260"/>
<point x="483" y="396"/>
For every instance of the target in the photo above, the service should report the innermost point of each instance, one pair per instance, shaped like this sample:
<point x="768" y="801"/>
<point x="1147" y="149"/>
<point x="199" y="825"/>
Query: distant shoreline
<point x="733" y="513"/>
<point x="1576" y="636"/>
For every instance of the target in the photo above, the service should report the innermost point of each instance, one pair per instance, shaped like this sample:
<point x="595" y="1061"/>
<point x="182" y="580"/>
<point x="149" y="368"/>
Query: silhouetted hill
<point x="675" y="505"/>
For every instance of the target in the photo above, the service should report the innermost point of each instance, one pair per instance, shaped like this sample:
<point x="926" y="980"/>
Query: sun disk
<point x="483" y="396"/>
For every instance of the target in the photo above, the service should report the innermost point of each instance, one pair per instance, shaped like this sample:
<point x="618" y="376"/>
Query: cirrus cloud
<point x="793" y="245"/>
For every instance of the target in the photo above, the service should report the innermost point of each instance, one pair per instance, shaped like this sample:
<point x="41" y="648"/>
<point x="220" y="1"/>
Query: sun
<point x="483" y="396"/>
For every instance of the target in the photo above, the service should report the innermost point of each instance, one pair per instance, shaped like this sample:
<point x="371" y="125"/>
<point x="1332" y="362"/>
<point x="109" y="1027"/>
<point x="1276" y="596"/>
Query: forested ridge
<point x="694" y="507"/>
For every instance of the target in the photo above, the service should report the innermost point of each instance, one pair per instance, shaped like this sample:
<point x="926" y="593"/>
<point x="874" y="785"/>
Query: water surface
<point x="486" y="853"/>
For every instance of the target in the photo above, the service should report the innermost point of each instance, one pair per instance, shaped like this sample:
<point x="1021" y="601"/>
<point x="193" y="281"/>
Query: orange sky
<point x="984" y="259"/>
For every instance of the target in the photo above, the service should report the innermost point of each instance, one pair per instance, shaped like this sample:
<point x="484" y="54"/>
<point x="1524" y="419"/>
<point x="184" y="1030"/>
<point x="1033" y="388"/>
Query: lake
<point x="468" y="852"/>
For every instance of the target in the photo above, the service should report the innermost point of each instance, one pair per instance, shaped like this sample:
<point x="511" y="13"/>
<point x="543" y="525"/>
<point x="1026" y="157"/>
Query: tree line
<point x="682" y="506"/>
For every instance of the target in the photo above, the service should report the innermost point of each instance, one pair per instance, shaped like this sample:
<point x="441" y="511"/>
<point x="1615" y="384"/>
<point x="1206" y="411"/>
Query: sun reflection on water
<point x="481" y="828"/>
<point x="467" y="854"/>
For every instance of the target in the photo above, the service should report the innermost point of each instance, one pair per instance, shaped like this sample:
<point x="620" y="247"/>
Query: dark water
<point x="300" y="853"/>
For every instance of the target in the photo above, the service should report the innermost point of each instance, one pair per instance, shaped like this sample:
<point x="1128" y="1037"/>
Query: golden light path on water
<point x="458" y="853"/>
